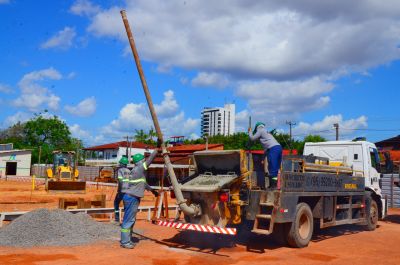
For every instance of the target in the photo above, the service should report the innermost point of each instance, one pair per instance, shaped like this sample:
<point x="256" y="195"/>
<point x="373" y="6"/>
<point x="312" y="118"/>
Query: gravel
<point x="44" y="227"/>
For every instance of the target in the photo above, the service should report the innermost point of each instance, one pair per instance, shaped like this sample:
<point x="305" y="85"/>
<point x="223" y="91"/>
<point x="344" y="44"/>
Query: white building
<point x="217" y="120"/>
<point x="15" y="163"/>
<point x="110" y="154"/>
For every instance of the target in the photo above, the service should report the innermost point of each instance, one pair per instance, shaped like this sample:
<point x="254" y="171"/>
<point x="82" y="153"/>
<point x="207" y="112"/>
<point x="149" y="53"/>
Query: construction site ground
<point x="161" y="245"/>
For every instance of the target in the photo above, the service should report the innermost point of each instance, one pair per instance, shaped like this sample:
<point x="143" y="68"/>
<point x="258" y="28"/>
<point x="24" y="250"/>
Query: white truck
<point x="362" y="156"/>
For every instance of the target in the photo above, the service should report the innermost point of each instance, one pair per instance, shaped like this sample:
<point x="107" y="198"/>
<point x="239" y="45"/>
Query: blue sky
<point x="312" y="63"/>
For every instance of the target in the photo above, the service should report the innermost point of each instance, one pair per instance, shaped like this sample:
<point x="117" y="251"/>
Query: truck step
<point x="261" y="231"/>
<point x="263" y="216"/>
<point x="266" y="204"/>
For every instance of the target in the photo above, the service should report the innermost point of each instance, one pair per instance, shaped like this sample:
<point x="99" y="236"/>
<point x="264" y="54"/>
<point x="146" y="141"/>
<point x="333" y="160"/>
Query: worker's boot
<point x="116" y="216"/>
<point x="273" y="183"/>
<point x="129" y="245"/>
<point x="126" y="239"/>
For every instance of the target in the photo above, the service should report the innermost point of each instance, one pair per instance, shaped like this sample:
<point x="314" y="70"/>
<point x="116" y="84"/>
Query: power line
<point x="313" y="132"/>
<point x="370" y="129"/>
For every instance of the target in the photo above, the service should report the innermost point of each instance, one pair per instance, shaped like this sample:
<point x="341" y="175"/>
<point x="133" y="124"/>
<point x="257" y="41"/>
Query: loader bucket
<point x="67" y="186"/>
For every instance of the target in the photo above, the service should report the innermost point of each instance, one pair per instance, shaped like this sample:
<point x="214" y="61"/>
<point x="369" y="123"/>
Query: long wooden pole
<point x="192" y="209"/>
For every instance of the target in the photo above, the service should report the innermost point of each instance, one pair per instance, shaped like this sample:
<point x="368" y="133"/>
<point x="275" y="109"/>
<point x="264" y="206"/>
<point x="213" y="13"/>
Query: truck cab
<point x="362" y="156"/>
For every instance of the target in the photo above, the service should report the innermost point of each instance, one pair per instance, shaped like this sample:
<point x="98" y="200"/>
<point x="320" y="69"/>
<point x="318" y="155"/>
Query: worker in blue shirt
<point x="272" y="151"/>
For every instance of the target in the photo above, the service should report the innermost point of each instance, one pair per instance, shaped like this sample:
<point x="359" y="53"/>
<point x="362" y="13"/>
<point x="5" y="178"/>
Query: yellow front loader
<point x="63" y="176"/>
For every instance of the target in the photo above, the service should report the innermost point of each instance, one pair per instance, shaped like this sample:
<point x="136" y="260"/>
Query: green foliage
<point x="241" y="141"/>
<point x="141" y="136"/>
<point x="49" y="134"/>
<point x="310" y="139"/>
<point x="148" y="138"/>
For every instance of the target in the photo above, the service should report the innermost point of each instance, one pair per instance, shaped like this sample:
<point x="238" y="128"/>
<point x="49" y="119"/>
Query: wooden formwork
<point x="80" y="203"/>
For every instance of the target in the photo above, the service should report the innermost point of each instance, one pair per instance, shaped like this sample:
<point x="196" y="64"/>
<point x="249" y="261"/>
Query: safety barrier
<point x="199" y="228"/>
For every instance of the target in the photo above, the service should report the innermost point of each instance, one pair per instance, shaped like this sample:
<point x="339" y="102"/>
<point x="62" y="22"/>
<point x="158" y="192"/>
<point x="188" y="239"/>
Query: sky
<point x="314" y="63"/>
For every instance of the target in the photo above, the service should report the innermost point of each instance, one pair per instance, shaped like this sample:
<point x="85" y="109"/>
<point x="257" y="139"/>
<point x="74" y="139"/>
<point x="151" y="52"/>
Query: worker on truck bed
<point x="133" y="189"/>
<point x="122" y="173"/>
<point x="272" y="151"/>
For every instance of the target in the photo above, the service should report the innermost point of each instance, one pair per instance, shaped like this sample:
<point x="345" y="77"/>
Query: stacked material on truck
<point x="391" y="189"/>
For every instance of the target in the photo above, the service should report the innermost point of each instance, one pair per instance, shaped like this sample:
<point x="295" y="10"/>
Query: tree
<point x="51" y="134"/>
<point x="151" y="136"/>
<point x="14" y="134"/>
<point x="48" y="133"/>
<point x="140" y="136"/>
<point x="241" y="141"/>
<point x="310" y="139"/>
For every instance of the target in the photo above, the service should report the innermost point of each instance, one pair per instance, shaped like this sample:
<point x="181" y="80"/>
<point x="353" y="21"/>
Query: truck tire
<point x="301" y="229"/>
<point x="372" y="217"/>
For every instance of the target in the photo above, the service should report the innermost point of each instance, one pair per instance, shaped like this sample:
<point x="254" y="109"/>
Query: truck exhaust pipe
<point x="192" y="209"/>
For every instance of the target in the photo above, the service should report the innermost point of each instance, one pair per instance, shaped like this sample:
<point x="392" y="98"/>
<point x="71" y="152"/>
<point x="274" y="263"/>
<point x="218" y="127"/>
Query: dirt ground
<point x="18" y="196"/>
<point x="166" y="246"/>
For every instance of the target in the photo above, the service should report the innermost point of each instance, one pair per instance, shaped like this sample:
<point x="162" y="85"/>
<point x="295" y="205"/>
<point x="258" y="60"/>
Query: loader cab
<point x="64" y="167"/>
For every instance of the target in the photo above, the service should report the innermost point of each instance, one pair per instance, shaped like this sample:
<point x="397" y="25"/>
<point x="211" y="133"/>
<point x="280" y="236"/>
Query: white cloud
<point x="274" y="102"/>
<point x="282" y="56"/>
<point x="268" y="39"/>
<point x="19" y="116"/>
<point x="168" y="106"/>
<point x="34" y="96"/>
<point x="85" y="108"/>
<point x="79" y="133"/>
<point x="325" y="126"/>
<point x="242" y="120"/>
<point x="136" y="116"/>
<point x="5" y="89"/>
<point x="84" y="7"/>
<point x="164" y="69"/>
<point x="71" y="75"/>
<point x="210" y="80"/>
<point x="4" y="1"/>
<point x="62" y="40"/>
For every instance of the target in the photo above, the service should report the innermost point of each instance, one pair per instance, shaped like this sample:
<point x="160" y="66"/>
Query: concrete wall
<point x="22" y="158"/>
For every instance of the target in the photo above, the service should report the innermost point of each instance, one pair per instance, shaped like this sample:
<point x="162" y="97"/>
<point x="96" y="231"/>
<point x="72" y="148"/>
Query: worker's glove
<point x="159" y="142"/>
<point x="155" y="193"/>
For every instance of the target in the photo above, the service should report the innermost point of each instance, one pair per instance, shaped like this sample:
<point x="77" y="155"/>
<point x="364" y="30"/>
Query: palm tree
<point x="152" y="134"/>
<point x="140" y="136"/>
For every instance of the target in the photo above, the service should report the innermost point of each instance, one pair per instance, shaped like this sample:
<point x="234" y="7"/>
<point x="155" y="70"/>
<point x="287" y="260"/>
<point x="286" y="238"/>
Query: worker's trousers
<point x="131" y="205"/>
<point x="274" y="157"/>
<point x="117" y="200"/>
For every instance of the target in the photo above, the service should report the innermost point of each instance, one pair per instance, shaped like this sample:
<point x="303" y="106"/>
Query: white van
<point x="362" y="156"/>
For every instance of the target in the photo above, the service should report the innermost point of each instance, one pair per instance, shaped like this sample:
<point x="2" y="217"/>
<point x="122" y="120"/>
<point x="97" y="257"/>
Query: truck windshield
<point x="375" y="161"/>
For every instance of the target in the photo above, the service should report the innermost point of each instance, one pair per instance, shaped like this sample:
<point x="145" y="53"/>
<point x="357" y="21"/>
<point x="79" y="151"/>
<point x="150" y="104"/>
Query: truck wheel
<point x="301" y="230"/>
<point x="372" y="218"/>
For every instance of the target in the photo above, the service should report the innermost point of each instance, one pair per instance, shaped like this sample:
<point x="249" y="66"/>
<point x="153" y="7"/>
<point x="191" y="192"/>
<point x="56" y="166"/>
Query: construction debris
<point x="57" y="227"/>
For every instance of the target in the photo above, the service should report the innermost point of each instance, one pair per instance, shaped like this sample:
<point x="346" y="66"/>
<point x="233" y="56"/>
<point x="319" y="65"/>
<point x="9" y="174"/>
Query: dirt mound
<point x="44" y="227"/>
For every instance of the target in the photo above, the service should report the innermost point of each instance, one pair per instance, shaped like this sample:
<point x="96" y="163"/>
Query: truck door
<point x="374" y="169"/>
<point x="356" y="160"/>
